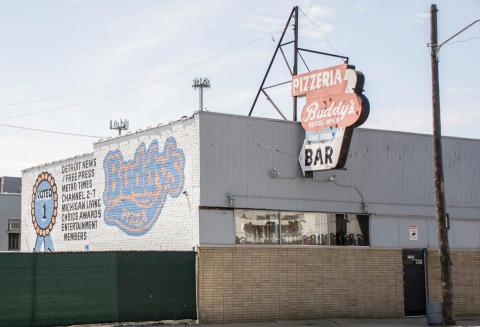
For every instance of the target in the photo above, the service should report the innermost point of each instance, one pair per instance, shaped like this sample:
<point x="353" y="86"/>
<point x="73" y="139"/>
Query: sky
<point x="73" y="65"/>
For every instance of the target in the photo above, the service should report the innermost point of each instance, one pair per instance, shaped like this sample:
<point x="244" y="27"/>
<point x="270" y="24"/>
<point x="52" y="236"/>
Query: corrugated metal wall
<point x="392" y="171"/>
<point x="78" y="288"/>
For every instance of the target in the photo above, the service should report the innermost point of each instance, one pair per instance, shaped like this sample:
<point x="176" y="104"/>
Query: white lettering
<point x="317" y="81"/>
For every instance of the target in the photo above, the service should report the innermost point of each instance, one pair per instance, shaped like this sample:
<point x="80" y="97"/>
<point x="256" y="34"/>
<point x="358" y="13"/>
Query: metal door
<point x="414" y="282"/>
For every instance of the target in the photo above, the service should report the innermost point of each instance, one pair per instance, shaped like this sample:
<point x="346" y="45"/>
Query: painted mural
<point x="128" y="194"/>
<point x="136" y="190"/>
<point x="81" y="206"/>
<point x="44" y="210"/>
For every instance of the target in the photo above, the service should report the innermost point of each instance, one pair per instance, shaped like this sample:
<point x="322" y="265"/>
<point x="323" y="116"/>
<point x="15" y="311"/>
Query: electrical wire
<point x="92" y="75"/>
<point x="50" y="131"/>
<point x="67" y="95"/>
<point x="146" y="77"/>
<point x="323" y="37"/>
<point x="188" y="68"/>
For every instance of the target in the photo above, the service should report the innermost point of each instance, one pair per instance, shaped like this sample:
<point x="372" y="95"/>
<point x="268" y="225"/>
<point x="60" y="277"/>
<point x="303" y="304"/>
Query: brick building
<point x="271" y="244"/>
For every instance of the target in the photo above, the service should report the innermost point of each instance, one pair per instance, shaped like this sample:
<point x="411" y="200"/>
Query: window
<point x="256" y="227"/>
<point x="13" y="241"/>
<point x="305" y="228"/>
<point x="351" y="230"/>
<point x="14" y="225"/>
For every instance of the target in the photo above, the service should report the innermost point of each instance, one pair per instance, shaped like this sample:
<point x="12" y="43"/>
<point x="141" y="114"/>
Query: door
<point x="414" y="282"/>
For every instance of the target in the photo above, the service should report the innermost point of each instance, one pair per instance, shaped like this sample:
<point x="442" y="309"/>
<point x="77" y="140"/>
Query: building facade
<point x="10" y="213"/>
<point x="271" y="243"/>
<point x="137" y="192"/>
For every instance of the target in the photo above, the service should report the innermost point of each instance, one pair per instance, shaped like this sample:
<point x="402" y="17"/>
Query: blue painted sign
<point x="136" y="190"/>
<point x="44" y="210"/>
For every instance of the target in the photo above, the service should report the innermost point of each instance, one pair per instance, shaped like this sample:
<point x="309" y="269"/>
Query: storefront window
<point x="256" y="227"/>
<point x="301" y="228"/>
<point x="351" y="230"/>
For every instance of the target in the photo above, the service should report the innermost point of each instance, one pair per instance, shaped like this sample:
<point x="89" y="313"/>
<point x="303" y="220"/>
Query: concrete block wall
<point x="143" y="198"/>
<point x="466" y="280"/>
<point x="251" y="283"/>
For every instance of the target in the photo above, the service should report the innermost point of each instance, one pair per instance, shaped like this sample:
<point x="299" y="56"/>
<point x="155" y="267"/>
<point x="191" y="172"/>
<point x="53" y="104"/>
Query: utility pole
<point x="295" y="57"/>
<point x="445" y="262"/>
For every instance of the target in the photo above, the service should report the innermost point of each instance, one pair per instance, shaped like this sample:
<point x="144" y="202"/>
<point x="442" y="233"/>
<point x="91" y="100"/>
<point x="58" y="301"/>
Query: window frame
<point x="13" y="241"/>
<point x="279" y="233"/>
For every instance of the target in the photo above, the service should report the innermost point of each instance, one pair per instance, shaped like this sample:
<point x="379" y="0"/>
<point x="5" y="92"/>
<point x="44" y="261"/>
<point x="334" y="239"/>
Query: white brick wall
<point x="175" y="228"/>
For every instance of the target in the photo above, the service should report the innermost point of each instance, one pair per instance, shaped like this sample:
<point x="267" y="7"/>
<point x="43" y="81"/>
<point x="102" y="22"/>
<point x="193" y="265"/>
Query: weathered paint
<point x="135" y="192"/>
<point x="253" y="161"/>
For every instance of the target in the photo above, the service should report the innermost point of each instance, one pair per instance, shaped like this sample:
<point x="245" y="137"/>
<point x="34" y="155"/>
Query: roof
<point x="236" y="116"/>
<point x="56" y="162"/>
<point x="359" y="128"/>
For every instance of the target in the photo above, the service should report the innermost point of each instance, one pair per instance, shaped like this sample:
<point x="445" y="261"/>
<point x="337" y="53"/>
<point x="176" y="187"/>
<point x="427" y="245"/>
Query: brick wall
<point x="466" y="280"/>
<point x="140" y="217"/>
<point x="270" y="282"/>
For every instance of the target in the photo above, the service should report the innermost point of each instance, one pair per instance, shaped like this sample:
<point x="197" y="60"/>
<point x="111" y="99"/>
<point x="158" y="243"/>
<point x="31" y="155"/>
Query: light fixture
<point x="201" y="83"/>
<point x="364" y="207"/>
<point x="273" y="173"/>
<point x="231" y="200"/>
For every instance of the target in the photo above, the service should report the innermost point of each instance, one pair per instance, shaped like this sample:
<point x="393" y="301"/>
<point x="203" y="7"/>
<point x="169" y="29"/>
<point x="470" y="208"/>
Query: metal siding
<point x="465" y="234"/>
<point x="392" y="170"/>
<point x="379" y="237"/>
<point x="11" y="184"/>
<point x="9" y="209"/>
<point x="216" y="227"/>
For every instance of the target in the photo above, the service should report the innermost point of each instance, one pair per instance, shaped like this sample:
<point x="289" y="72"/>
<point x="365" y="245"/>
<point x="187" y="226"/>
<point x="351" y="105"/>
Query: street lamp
<point x="438" y="46"/>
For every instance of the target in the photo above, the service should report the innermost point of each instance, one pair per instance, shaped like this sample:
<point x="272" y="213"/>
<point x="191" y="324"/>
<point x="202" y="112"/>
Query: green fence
<point x="75" y="288"/>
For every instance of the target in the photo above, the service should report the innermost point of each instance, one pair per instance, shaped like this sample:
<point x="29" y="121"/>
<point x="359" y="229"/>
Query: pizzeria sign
<point x="334" y="106"/>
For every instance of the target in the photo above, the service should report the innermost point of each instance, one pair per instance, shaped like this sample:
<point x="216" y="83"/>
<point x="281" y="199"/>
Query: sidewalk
<point x="420" y="321"/>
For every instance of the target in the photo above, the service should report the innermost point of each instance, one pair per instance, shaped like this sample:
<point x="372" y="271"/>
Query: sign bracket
<point x="293" y="70"/>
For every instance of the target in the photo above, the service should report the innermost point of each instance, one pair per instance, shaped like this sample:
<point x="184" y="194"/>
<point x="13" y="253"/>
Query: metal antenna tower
<point x="297" y="52"/>
<point x="119" y="125"/>
<point x="201" y="83"/>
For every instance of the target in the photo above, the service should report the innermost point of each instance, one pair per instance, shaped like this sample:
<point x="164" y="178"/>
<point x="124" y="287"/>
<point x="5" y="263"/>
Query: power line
<point x="106" y="87"/>
<point x="188" y="68"/>
<point x="50" y="131"/>
<point x="323" y="37"/>
<point x="67" y="95"/>
<point x="82" y="76"/>
<point x="145" y="77"/>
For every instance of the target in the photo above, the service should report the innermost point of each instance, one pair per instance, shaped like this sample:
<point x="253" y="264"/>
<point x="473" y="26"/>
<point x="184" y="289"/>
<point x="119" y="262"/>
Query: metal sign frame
<point x="297" y="52"/>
